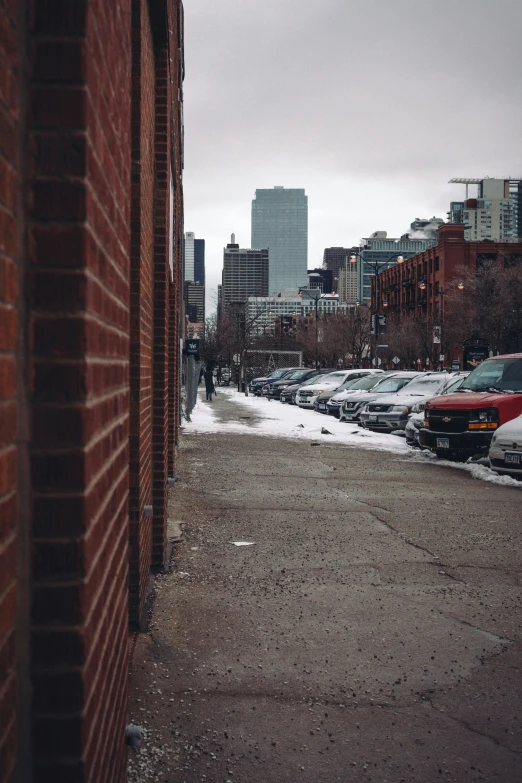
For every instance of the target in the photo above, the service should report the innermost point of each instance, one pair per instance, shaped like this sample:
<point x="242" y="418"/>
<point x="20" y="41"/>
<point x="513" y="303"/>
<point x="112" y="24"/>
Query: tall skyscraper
<point x="245" y="273"/>
<point x="199" y="261"/>
<point x="194" y="278"/>
<point x="280" y="223"/>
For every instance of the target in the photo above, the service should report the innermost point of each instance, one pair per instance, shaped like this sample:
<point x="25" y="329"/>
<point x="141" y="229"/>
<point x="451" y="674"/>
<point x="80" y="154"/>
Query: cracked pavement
<point x="371" y="633"/>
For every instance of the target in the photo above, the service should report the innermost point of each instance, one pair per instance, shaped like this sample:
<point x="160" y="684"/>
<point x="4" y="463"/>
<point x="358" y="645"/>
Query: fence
<point x="260" y="363"/>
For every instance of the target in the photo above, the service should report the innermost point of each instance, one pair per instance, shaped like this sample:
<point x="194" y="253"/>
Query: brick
<point x="59" y="200"/>
<point x="8" y="238"/>
<point x="7" y="614"/>
<point x="58" y="246"/>
<point x="59" y="17"/>
<point x="7" y="376"/>
<point x="7" y="470"/>
<point x="59" y="61"/>
<point x="8" y="281"/>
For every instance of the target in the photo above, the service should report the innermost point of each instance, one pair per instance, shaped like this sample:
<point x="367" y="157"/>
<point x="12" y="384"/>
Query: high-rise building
<point x="199" y="261"/>
<point x="195" y="276"/>
<point x="245" y="273"/>
<point x="280" y="223"/>
<point x="334" y="259"/>
<point x="194" y="295"/>
<point x="494" y="215"/>
<point x="347" y="289"/>
<point x="190" y="239"/>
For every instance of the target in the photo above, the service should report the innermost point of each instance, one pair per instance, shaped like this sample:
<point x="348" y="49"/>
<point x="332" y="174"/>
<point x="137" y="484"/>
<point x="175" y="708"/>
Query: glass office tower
<point x="280" y="223"/>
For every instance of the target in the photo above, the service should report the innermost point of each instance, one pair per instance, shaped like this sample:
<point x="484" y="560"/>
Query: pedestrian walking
<point x="209" y="383"/>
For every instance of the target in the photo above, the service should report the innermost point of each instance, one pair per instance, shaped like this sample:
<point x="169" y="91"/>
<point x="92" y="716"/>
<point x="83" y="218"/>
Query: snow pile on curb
<point x="288" y="421"/>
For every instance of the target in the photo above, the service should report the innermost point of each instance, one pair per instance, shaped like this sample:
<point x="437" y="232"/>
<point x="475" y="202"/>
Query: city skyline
<point x="372" y="139"/>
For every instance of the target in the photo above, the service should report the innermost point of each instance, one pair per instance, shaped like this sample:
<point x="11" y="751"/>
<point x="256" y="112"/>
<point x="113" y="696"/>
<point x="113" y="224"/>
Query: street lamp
<point x="460" y="285"/>
<point x="422" y="285"/>
<point x="314" y="294"/>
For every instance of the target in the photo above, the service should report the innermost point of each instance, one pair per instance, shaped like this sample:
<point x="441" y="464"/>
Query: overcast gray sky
<point x="370" y="105"/>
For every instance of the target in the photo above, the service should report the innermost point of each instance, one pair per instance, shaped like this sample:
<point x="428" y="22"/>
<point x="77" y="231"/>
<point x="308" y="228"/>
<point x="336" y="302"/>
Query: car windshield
<point x="278" y="373"/>
<point x="297" y="375"/>
<point x="425" y="386"/>
<point x="455" y="383"/>
<point x="313" y="379"/>
<point x="367" y="383"/>
<point x="391" y="385"/>
<point x="496" y="375"/>
<point x="334" y="377"/>
<point x="349" y="384"/>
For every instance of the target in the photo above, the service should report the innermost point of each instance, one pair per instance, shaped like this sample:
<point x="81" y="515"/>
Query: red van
<point x="461" y="425"/>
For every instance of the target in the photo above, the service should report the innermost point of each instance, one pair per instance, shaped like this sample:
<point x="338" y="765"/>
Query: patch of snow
<point x="272" y="419"/>
<point x="478" y="470"/>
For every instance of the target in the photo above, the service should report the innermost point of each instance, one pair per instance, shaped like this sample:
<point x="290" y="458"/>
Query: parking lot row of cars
<point x="456" y="415"/>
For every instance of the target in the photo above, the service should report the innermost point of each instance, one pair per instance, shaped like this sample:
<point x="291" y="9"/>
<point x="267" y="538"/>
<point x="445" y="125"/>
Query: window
<point x="436" y="263"/>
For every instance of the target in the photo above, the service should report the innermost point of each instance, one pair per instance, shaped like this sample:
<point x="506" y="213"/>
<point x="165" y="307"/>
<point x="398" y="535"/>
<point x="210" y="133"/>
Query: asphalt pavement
<point x="369" y="632"/>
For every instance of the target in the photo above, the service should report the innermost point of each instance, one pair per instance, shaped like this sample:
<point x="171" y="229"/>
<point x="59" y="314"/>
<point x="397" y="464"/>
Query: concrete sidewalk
<point x="371" y="633"/>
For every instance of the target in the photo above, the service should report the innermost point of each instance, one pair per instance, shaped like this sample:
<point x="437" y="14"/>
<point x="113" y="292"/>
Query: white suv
<point x="307" y="395"/>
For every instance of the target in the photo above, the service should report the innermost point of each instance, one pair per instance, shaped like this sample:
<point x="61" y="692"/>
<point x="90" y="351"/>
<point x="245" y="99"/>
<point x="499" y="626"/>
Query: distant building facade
<point x="379" y="251"/>
<point x="245" y="274"/>
<point x="495" y="215"/>
<point x="334" y="259"/>
<point x="347" y="288"/>
<point x="435" y="267"/>
<point x="194" y="294"/>
<point x="189" y="242"/>
<point x="280" y="223"/>
<point x="194" y="277"/>
<point x="321" y="279"/>
<point x="262" y="312"/>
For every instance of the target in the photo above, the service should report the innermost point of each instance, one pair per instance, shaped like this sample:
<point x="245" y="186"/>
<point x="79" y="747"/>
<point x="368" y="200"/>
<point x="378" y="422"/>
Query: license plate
<point x="322" y="405"/>
<point x="513" y="458"/>
<point x="416" y="437"/>
<point x="373" y="418"/>
<point x="443" y="443"/>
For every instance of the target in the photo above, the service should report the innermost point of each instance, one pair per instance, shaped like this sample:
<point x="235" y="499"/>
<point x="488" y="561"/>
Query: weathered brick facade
<point x="90" y="260"/>
<point x="9" y="179"/>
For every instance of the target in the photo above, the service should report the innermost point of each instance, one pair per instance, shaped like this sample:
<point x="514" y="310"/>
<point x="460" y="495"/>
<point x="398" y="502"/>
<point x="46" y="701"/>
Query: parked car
<point x="352" y="407"/>
<point x="416" y="420"/>
<point x="305" y="398"/>
<point x="256" y="384"/>
<point x="289" y="393"/>
<point x="462" y="424"/>
<point x="505" y="452"/>
<point x="360" y="386"/>
<point x="321" y="403"/>
<point x="392" y="412"/>
<point x="295" y="378"/>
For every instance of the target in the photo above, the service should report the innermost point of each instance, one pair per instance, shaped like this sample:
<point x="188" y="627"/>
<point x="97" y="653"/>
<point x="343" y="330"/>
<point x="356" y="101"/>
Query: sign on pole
<point x="396" y="360"/>
<point x="436" y="335"/>
<point x="441" y="357"/>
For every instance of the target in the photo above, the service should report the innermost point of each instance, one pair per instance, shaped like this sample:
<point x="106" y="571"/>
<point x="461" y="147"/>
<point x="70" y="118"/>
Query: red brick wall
<point x="8" y="406"/>
<point x="161" y="304"/>
<point x="79" y="281"/>
<point x="142" y="248"/>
